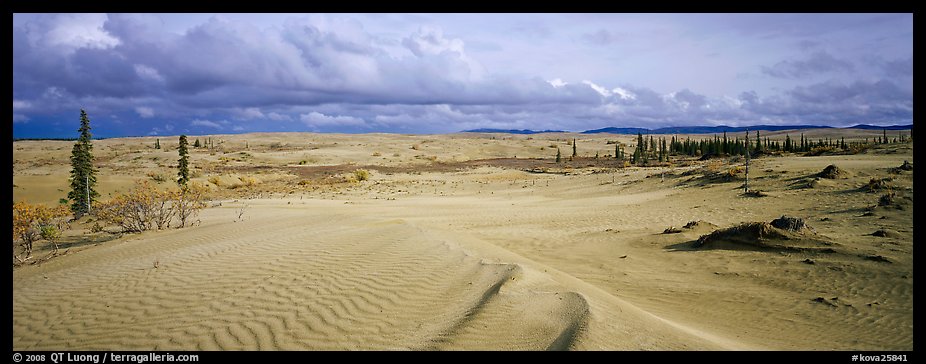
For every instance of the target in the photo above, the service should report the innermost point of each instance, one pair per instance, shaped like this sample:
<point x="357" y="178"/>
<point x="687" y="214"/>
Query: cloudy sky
<point x="167" y="74"/>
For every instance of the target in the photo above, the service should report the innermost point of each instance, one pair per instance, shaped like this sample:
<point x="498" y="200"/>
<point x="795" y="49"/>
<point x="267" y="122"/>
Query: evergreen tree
<point x="574" y="147"/>
<point x="884" y="140"/>
<point x="196" y="144"/>
<point x="157" y="144"/>
<point x="183" y="164"/>
<point x="758" y="142"/>
<point x="559" y="156"/>
<point x="746" y="182"/>
<point x="617" y="151"/>
<point x="83" y="175"/>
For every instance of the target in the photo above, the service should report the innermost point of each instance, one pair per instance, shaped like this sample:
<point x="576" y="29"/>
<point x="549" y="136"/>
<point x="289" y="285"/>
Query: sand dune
<point x="296" y="279"/>
<point x="489" y="256"/>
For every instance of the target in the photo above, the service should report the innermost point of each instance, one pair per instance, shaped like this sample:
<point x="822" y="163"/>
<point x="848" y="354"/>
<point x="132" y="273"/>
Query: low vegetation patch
<point x="32" y="223"/>
<point x="146" y="207"/>
<point x="361" y="175"/>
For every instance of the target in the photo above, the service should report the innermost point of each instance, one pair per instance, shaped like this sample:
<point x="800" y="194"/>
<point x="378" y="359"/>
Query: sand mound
<point x="693" y="224"/>
<point x="832" y="172"/>
<point x="794" y="224"/>
<point x="671" y="230"/>
<point x="878" y="184"/>
<point x="906" y="166"/>
<point x="886" y="233"/>
<point x="793" y="235"/>
<point x="756" y="193"/>
<point x="894" y="200"/>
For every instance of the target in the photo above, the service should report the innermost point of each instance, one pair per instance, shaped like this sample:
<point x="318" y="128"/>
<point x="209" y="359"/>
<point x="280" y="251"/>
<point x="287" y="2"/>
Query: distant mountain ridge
<point x="875" y="127"/>
<point x="734" y="129"/>
<point x="697" y="129"/>
<point x="511" y="131"/>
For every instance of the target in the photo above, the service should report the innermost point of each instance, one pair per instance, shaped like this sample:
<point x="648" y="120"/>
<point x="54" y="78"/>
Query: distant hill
<point x="875" y="127"/>
<point x="697" y="129"/>
<point x="613" y="130"/>
<point x="512" y="131"/>
<point x="732" y="129"/>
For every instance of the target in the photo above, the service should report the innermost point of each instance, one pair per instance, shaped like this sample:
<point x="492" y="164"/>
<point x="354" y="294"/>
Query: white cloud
<point x="275" y="116"/>
<point x="207" y="123"/>
<point x="21" y="104"/>
<point x="318" y="119"/>
<point x="556" y="82"/>
<point x="20" y="118"/>
<point x="145" y="112"/>
<point x="624" y="94"/>
<point x="601" y="90"/>
<point x="68" y="32"/>
<point x="148" y="73"/>
<point x="249" y="113"/>
<point x="430" y="40"/>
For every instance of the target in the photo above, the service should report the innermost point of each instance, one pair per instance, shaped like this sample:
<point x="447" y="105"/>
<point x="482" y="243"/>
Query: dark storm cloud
<point x="333" y="74"/>
<point x="817" y="63"/>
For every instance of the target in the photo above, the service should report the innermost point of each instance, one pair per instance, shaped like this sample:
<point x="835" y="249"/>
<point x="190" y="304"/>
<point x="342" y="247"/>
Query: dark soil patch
<point x="878" y="258"/>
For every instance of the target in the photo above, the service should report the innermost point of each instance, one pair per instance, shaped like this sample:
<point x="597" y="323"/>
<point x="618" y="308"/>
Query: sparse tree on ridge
<point x="183" y="163"/>
<point x="758" y="142"/>
<point x="746" y="183"/>
<point x="83" y="175"/>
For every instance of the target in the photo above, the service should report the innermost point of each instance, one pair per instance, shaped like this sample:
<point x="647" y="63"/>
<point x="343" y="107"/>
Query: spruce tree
<point x="183" y="164"/>
<point x="726" y="147"/>
<point x="758" y="142"/>
<point x="83" y="176"/>
<point x="559" y="155"/>
<point x="574" y="147"/>
<point x="157" y="144"/>
<point x="196" y="144"/>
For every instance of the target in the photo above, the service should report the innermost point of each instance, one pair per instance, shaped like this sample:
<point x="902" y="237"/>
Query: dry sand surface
<point x="472" y="242"/>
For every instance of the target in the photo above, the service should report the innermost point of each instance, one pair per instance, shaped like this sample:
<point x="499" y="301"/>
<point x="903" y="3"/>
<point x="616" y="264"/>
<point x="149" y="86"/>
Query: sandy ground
<point x="435" y="253"/>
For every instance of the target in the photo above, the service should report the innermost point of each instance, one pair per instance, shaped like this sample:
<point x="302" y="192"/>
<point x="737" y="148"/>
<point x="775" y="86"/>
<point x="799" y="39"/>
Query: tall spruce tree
<point x="183" y="164"/>
<point x="196" y="143"/>
<point x="574" y="147"/>
<point x="157" y="144"/>
<point x="83" y="175"/>
<point x="559" y="155"/>
<point x="758" y="142"/>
